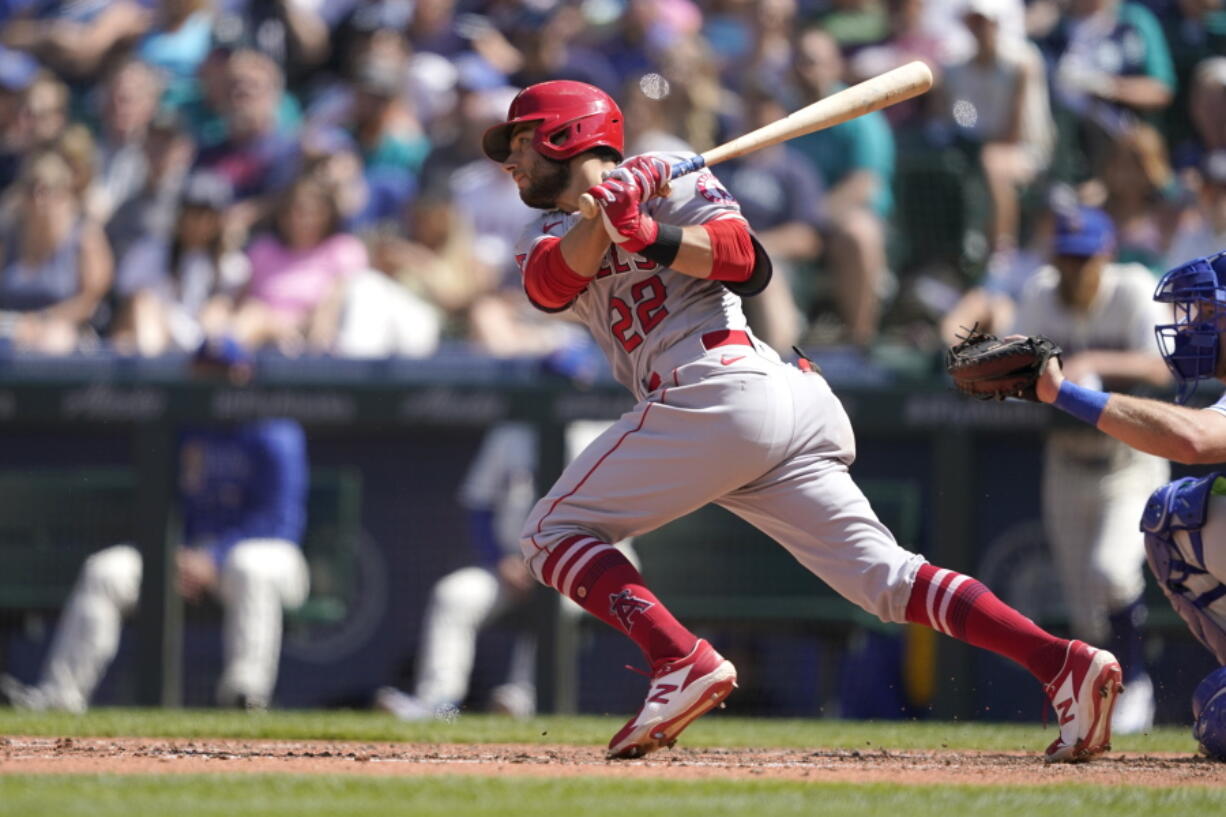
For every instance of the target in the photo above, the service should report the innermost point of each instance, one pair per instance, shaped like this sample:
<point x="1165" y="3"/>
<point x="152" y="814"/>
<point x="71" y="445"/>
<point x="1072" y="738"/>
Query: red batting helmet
<point x="573" y="117"/>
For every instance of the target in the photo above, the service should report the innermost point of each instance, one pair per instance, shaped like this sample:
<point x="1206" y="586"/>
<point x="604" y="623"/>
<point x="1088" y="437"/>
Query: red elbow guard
<point x="549" y="281"/>
<point x="732" y="252"/>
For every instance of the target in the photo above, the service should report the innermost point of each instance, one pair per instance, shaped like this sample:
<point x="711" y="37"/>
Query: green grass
<point x="294" y="796"/>
<point x="713" y="730"/>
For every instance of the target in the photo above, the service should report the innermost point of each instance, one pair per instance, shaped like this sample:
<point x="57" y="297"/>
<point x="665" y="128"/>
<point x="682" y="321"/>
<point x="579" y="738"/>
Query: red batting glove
<point x="620" y="209"/>
<point x="650" y="174"/>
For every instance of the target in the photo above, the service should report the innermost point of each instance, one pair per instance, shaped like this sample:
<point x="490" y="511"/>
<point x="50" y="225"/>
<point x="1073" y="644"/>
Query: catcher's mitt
<point x="986" y="367"/>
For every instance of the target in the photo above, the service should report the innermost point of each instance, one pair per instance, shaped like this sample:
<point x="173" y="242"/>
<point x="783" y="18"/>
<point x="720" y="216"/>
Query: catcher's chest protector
<point x="1198" y="596"/>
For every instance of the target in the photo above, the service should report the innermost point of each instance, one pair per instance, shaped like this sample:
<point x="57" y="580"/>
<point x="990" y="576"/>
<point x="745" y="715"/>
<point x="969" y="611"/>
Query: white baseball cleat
<point x="680" y="692"/>
<point x="21" y="696"/>
<point x="1134" y="711"/>
<point x="404" y="706"/>
<point x="1083" y="694"/>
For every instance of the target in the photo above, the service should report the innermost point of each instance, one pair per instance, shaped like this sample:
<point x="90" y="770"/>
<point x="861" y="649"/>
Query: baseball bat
<point x="883" y="90"/>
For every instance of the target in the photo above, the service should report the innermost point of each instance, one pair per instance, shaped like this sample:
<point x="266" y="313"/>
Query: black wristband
<point x="666" y="246"/>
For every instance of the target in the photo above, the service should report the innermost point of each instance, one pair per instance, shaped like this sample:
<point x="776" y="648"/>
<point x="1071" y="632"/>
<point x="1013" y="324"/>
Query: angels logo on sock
<point x="625" y="607"/>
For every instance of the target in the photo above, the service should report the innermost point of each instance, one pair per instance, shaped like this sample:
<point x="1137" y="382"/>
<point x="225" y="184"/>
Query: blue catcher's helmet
<point x="1190" y="346"/>
<point x="1209" y="709"/>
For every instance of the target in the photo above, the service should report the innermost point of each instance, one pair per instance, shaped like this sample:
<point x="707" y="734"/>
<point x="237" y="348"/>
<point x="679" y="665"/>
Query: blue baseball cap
<point x="1083" y="231"/>
<point x="17" y="70"/>
<point x="223" y="351"/>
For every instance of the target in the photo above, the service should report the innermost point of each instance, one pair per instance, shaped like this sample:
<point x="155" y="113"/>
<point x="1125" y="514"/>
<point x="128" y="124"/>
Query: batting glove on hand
<point x="650" y="174"/>
<point x="627" y="225"/>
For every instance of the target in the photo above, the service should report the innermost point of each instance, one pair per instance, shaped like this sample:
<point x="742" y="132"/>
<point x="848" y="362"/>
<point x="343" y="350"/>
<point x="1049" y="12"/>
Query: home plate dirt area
<point x="30" y="755"/>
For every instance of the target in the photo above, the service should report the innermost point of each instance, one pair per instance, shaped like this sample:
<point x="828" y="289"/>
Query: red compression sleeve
<point x="732" y="252"/>
<point x="549" y="281"/>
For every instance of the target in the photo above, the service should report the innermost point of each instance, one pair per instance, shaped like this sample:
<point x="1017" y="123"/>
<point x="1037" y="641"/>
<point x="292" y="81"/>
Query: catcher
<point x="1184" y="522"/>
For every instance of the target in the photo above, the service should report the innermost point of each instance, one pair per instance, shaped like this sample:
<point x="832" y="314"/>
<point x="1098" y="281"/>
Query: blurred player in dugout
<point x="242" y="498"/>
<point x="497" y="494"/>
<point x="1184" y="522"/>
<point x="1102" y="314"/>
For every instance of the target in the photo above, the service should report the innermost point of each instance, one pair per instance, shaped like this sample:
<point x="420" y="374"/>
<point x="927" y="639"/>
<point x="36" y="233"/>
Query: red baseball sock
<point x="963" y="607"/>
<point x="600" y="579"/>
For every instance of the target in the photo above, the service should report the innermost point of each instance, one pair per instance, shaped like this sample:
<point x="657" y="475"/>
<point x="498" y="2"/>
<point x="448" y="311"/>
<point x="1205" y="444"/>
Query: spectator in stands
<point x="1202" y="230"/>
<point x="1195" y="31"/>
<point x="295" y="270"/>
<point x="549" y="49"/>
<point x="434" y="256"/>
<point x="177" y="43"/>
<point x="377" y="122"/>
<point x="769" y="61"/>
<point x="983" y="103"/>
<point x="177" y="290"/>
<point x="256" y="157"/>
<point x="856" y="163"/>
<point x="1142" y="194"/>
<point x="75" y="39"/>
<point x="56" y="264"/>
<point x="853" y="23"/>
<point x="242" y="499"/>
<point x="292" y="33"/>
<point x="44" y="112"/>
<point x="482" y="196"/>
<point x="17" y="72"/>
<point x="433" y="28"/>
<point x="696" y="104"/>
<point x="907" y="40"/>
<point x="1206" y="102"/>
<point x="332" y="156"/>
<point x="780" y="194"/>
<point x="151" y="211"/>
<point x="129" y="102"/>
<point x="1110" y="64"/>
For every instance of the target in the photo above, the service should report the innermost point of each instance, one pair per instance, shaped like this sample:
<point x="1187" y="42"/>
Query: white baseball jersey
<point x="1093" y="484"/>
<point x="636" y="309"/>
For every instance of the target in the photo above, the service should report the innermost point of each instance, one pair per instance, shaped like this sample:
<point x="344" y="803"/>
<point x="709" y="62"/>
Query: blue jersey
<point x="247" y="482"/>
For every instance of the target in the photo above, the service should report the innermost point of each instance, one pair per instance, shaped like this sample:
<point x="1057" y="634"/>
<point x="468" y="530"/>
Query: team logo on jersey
<point x="710" y="189"/>
<point x="625" y="607"/>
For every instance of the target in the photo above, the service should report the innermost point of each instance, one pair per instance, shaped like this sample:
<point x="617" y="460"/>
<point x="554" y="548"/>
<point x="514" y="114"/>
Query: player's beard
<point x="547" y="185"/>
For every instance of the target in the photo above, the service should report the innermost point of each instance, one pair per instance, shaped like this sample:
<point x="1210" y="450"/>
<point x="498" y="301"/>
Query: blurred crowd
<point x="306" y="175"/>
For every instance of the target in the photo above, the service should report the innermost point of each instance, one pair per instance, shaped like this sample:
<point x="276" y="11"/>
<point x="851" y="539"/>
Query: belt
<point x="725" y="337"/>
<point x="709" y="341"/>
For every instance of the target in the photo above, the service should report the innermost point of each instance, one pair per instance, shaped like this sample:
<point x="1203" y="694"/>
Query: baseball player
<point x="1184" y="522"/>
<point x="1102" y="315"/>
<point x="658" y="279"/>
<point x="242" y="497"/>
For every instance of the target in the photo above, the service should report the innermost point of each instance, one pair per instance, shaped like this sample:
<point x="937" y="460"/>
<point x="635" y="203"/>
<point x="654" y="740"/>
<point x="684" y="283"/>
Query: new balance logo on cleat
<point x="680" y="693"/>
<point x="661" y="693"/>
<point x="1083" y="693"/>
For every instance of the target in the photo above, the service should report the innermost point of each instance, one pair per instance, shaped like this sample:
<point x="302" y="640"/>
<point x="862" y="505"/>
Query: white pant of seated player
<point x="259" y="578"/>
<point x="461" y="603"/>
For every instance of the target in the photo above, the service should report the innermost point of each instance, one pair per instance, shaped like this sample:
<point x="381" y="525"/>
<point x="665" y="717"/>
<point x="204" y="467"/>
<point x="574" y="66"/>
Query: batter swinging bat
<point x="881" y="91"/>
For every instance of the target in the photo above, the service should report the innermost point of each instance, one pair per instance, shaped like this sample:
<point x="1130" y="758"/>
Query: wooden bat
<point x="881" y="91"/>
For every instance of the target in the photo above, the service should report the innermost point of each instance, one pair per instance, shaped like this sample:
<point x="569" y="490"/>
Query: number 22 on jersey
<point x="630" y="322"/>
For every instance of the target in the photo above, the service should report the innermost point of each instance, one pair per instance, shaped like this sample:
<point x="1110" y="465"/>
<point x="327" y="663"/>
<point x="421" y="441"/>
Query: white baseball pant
<point x="258" y="579"/>
<point x="763" y="439"/>
<point x="1091" y="505"/>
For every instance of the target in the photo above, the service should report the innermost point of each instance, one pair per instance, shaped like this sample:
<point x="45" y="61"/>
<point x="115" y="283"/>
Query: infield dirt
<point x="35" y="755"/>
